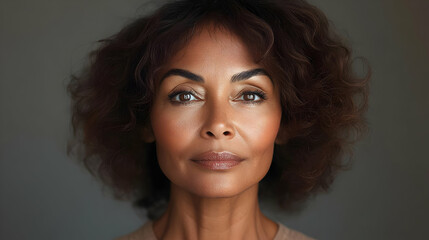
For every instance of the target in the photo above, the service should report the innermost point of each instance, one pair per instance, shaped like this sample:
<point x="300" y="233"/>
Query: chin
<point x="218" y="187"/>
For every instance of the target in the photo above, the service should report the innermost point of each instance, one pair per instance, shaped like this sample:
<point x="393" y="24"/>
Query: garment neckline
<point x="281" y="230"/>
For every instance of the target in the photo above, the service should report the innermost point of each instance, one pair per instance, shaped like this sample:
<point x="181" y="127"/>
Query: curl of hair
<point x="323" y="101"/>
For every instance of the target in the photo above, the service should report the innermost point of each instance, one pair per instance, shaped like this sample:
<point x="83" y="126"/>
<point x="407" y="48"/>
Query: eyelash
<point x="258" y="93"/>
<point x="176" y="93"/>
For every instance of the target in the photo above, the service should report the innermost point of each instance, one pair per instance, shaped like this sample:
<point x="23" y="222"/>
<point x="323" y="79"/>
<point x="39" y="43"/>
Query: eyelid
<point x="261" y="94"/>
<point x="257" y="85"/>
<point x="178" y="91"/>
<point x="254" y="90"/>
<point x="184" y="88"/>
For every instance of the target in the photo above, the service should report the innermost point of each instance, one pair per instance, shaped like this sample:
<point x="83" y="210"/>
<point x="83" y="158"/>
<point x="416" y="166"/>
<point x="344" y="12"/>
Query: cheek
<point x="171" y="130"/>
<point x="174" y="133"/>
<point x="259" y="129"/>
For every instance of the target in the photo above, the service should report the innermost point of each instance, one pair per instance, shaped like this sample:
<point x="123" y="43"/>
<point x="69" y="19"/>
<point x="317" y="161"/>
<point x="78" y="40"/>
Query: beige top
<point x="146" y="233"/>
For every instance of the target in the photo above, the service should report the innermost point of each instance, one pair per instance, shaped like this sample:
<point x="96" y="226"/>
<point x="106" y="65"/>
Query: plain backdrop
<point x="45" y="195"/>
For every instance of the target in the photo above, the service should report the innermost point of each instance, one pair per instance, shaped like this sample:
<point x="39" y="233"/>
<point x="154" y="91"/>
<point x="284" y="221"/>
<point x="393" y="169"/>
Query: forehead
<point x="210" y="46"/>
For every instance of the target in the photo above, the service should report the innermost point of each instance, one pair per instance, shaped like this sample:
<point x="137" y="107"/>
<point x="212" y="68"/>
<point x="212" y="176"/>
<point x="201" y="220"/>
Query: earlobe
<point x="278" y="141"/>
<point x="281" y="137"/>
<point x="147" y="134"/>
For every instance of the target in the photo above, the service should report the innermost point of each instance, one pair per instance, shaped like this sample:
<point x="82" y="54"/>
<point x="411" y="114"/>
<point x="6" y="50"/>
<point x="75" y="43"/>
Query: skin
<point x="216" y="116"/>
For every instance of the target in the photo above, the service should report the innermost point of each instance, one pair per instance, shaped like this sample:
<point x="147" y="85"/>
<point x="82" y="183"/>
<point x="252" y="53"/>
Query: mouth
<point x="217" y="160"/>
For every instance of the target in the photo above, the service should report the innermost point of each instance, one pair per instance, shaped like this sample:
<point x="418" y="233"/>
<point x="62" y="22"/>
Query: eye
<point x="182" y="97"/>
<point x="252" y="96"/>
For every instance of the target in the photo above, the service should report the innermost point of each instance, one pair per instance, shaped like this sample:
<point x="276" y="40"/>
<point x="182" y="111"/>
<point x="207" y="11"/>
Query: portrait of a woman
<point x="202" y="108"/>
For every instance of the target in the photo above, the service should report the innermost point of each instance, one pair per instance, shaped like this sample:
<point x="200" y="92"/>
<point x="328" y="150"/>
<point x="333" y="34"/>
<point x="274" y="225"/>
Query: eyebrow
<point x="197" y="78"/>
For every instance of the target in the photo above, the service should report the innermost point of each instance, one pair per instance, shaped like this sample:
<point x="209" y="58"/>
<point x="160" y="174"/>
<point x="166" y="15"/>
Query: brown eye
<point x="185" y="97"/>
<point x="253" y="97"/>
<point x="249" y="97"/>
<point x="182" y="97"/>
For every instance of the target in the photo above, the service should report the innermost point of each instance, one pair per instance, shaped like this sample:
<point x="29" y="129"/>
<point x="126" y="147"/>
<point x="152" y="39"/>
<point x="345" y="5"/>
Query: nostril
<point x="226" y="133"/>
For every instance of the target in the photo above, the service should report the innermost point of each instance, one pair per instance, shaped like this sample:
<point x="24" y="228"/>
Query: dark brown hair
<point x="323" y="101"/>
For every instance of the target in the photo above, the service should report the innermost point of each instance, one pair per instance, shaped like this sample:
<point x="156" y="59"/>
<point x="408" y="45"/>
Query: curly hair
<point x="323" y="101"/>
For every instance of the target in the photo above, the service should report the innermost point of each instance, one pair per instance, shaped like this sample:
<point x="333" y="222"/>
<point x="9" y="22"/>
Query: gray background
<point x="46" y="195"/>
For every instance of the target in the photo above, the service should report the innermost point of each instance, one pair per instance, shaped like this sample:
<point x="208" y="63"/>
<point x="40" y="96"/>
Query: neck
<point x="194" y="217"/>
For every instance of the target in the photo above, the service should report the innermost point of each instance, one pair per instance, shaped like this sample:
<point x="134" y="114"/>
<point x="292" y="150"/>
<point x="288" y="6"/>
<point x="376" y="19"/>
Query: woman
<point x="204" y="105"/>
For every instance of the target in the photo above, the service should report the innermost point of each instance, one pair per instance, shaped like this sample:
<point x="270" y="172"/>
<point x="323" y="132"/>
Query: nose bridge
<point x="218" y="119"/>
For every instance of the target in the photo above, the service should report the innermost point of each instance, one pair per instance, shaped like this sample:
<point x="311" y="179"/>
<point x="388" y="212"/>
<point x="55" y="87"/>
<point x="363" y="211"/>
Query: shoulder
<point x="145" y="232"/>
<point x="285" y="233"/>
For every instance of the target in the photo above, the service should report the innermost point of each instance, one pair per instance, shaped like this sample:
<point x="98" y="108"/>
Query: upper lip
<point x="217" y="156"/>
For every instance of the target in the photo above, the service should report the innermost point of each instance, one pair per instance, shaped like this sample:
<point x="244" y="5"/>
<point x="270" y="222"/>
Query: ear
<point x="147" y="133"/>
<point x="281" y="137"/>
<point x="278" y="140"/>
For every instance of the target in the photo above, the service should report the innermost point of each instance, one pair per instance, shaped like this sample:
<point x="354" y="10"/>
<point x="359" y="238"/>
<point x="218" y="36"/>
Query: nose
<point x="217" y="124"/>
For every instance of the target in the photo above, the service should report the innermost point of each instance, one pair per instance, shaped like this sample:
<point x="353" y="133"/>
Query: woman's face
<point x="215" y="117"/>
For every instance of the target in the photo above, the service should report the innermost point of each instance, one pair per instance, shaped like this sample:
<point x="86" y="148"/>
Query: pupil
<point x="249" y="96"/>
<point x="186" y="97"/>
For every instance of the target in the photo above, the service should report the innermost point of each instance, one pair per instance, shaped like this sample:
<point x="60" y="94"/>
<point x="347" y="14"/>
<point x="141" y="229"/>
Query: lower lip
<point x="217" y="165"/>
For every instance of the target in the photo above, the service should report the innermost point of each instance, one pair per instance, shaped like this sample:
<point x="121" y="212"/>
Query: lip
<point x="217" y="160"/>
